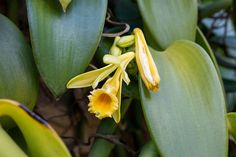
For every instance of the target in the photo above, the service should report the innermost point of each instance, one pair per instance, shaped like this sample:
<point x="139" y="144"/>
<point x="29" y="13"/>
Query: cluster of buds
<point x="106" y="101"/>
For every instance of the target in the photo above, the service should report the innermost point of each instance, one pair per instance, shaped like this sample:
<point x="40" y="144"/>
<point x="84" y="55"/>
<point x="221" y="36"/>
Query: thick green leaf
<point x="232" y="123"/>
<point x="64" y="43"/>
<point x="187" y="116"/>
<point x="169" y="20"/>
<point x="18" y="74"/>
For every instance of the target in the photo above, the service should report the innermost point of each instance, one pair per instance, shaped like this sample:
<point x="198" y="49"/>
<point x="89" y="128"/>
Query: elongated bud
<point x="146" y="65"/>
<point x="115" y="50"/>
<point x="126" y="41"/>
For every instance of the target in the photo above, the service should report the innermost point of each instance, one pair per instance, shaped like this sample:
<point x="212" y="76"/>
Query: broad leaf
<point x="187" y="116"/>
<point x="18" y="74"/>
<point x="64" y="43"/>
<point x="41" y="139"/>
<point x="169" y="20"/>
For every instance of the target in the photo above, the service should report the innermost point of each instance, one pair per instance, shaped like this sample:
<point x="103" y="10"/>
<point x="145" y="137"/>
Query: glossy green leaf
<point x="149" y="150"/>
<point x="64" y="43"/>
<point x="232" y="123"/>
<point x="187" y="116"/>
<point x="41" y="139"/>
<point x="169" y="20"/>
<point x="18" y="74"/>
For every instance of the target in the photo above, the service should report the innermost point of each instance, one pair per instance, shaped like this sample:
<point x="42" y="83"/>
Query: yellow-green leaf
<point x="41" y="139"/>
<point x="8" y="147"/>
<point x="187" y="116"/>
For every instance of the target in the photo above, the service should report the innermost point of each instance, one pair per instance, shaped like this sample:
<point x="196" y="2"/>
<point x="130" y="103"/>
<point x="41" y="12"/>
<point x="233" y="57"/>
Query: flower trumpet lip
<point x="102" y="103"/>
<point x="146" y="65"/>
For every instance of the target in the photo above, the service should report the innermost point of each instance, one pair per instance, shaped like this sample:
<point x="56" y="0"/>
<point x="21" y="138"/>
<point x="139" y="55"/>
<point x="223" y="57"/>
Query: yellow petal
<point x="130" y="56"/>
<point x="87" y="79"/>
<point x="116" y="114"/>
<point x="145" y="62"/>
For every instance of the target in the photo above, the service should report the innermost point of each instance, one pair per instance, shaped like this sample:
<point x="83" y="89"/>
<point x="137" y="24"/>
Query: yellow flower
<point x="105" y="102"/>
<point x="145" y="62"/>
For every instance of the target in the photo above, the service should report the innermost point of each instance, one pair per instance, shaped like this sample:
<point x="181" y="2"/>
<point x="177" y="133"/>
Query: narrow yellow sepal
<point x="91" y="78"/>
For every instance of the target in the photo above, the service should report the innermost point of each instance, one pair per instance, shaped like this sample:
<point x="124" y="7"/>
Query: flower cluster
<point x="106" y="101"/>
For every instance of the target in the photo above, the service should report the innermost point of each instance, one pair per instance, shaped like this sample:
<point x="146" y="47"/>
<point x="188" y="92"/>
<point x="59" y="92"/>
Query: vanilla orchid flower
<point x="105" y="102"/>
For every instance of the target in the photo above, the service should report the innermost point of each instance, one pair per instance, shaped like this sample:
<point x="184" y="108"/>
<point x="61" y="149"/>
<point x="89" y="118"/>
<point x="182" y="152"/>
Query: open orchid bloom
<point x="145" y="62"/>
<point x="106" y="101"/>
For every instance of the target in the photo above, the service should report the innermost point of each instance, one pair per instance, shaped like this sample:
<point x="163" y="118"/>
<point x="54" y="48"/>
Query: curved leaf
<point x="18" y="78"/>
<point x="169" y="20"/>
<point x="187" y="117"/>
<point x="41" y="139"/>
<point x="64" y="43"/>
<point x="8" y="147"/>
